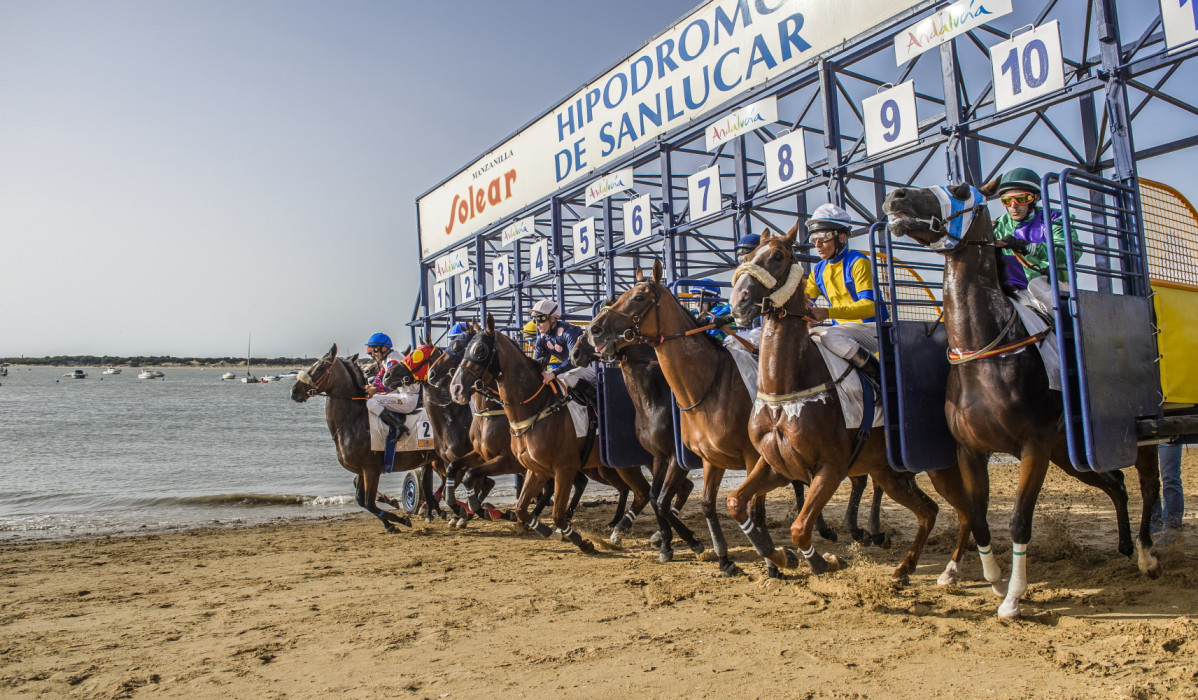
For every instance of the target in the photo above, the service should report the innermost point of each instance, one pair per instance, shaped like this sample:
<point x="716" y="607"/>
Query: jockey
<point x="455" y="340"/>
<point x="1023" y="230"/>
<point x="388" y="406"/>
<point x="747" y="244"/>
<point x="710" y="309"/>
<point x="555" y="340"/>
<point x="844" y="277"/>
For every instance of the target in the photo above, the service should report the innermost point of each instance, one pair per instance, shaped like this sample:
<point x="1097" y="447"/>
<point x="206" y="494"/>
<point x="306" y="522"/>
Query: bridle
<point x="318" y="385"/>
<point x="633" y="334"/>
<point x="779" y="292"/>
<point x="481" y="351"/>
<point x="952" y="232"/>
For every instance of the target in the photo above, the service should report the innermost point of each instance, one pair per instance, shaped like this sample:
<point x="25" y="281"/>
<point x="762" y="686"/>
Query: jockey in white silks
<point x="387" y="407"/>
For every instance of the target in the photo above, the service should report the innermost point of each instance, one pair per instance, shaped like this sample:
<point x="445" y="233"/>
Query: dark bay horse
<point x="797" y="423"/>
<point x="1002" y="402"/>
<point x="342" y="381"/>
<point x="654" y="424"/>
<point x="542" y="432"/>
<point x="714" y="403"/>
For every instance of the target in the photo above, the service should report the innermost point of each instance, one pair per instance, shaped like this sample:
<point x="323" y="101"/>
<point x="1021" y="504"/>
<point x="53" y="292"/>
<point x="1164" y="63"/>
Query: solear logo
<point x="465" y="208"/>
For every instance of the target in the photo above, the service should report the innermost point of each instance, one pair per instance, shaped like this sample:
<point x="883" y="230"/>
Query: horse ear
<point x="961" y="191"/>
<point x="332" y="353"/>
<point x="640" y="274"/>
<point x="791" y="235"/>
<point x="353" y="359"/>
<point x="656" y="272"/>
<point x="407" y="351"/>
<point x="766" y="235"/>
<point x="490" y="323"/>
<point x="989" y="189"/>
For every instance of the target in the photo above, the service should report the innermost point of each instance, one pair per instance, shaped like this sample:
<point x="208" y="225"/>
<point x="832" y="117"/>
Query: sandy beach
<point x="339" y="607"/>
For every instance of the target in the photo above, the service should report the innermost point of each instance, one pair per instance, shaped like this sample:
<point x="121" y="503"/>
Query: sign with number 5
<point x="703" y="189"/>
<point x="785" y="161"/>
<point x="584" y="239"/>
<point x="1028" y="66"/>
<point x="890" y="118"/>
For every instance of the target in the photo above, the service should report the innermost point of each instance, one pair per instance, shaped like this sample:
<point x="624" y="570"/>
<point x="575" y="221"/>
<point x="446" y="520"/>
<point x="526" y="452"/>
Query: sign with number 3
<point x="1028" y="66"/>
<point x="890" y="118"/>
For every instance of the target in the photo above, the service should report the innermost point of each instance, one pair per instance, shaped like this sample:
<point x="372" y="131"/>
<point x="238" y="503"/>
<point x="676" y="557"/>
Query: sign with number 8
<point x="785" y="161"/>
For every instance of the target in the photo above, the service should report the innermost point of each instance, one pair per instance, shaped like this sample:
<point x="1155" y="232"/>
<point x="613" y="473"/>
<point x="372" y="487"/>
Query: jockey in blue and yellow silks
<point x="844" y="277"/>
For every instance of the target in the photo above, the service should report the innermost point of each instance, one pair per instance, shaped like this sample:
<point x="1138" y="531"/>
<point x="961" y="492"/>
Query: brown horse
<point x="1001" y="402"/>
<point x="714" y="403"/>
<point x="542" y="432"/>
<point x="342" y="381"/>
<point x="797" y="422"/>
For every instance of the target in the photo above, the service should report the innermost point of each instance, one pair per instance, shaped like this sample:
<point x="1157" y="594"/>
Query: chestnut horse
<point x="342" y="381"/>
<point x="714" y="403"/>
<point x="1001" y="402"/>
<point x="797" y="422"/>
<point x="542" y="431"/>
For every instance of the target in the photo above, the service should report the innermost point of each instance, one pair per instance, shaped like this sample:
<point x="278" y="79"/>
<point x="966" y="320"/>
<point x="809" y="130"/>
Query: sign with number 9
<point x="890" y="118"/>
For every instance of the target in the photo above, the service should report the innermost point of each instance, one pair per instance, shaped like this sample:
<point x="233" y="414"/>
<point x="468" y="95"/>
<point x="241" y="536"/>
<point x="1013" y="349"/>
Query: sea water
<point x="114" y="454"/>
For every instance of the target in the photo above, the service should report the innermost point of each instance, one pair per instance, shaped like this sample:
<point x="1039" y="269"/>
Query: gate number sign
<point x="703" y="190"/>
<point x="500" y="272"/>
<point x="1028" y="66"/>
<point x="637" y="221"/>
<point x="538" y="258"/>
<point x="468" y="287"/>
<point x="440" y="297"/>
<point x="890" y="118"/>
<point x="424" y="434"/>
<point x="785" y="161"/>
<point x="584" y="239"/>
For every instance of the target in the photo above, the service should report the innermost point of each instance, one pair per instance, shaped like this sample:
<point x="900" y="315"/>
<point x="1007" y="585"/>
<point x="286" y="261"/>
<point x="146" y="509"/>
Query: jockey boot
<point x="584" y="393"/>
<point x="394" y="420"/>
<point x="867" y="366"/>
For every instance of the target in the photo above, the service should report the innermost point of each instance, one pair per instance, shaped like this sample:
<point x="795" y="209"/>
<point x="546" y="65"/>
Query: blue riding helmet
<point x="458" y="329"/>
<point x="747" y="244"/>
<point x="379" y="340"/>
<point x="707" y="290"/>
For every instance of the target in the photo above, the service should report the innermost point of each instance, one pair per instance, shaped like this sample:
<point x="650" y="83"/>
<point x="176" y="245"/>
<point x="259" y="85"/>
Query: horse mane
<point x="518" y="349"/>
<point x="356" y="376"/>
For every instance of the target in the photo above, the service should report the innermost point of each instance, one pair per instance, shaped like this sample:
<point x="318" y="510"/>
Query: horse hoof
<point x="390" y="529"/>
<point x="859" y="535"/>
<point x="834" y="564"/>
<point x="616" y="538"/>
<point x="880" y="539"/>
<point x="586" y="547"/>
<point x="655" y="539"/>
<point x="898" y="580"/>
<point x="949" y="575"/>
<point x="1149" y="565"/>
<point x="776" y="573"/>
<point x="999" y="588"/>
<point x="696" y="547"/>
<point x="405" y="521"/>
<point x="729" y="570"/>
<point x="556" y="534"/>
<point x="462" y="523"/>
<point x="665" y="556"/>
<point x="1009" y="610"/>
<point x="829" y="535"/>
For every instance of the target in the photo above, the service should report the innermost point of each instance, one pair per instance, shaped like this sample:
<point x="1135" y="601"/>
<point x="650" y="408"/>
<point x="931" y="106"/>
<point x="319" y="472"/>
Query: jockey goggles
<point x="1019" y="199"/>
<point x="819" y="236"/>
<point x="540" y="318"/>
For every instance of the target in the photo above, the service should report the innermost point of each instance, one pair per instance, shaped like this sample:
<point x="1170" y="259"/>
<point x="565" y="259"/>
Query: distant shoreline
<point x="224" y="367"/>
<point x="101" y="362"/>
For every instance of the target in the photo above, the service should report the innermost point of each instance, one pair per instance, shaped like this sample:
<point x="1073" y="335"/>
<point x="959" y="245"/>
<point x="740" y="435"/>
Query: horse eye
<point x="776" y="257"/>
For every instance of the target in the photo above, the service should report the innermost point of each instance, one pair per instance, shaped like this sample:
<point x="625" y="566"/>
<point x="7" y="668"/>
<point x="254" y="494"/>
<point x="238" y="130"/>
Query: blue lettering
<point x="607" y="100"/>
<point x="790" y="37"/>
<point x="653" y="115"/>
<point x="592" y="100"/>
<point x="671" y="115"/>
<point x="717" y="75"/>
<point x="687" y="92"/>
<point x="763" y="10"/>
<point x="760" y="54"/>
<point x="558" y="164"/>
<point x="637" y="87"/>
<point x="729" y="23"/>
<point x="609" y="141"/>
<point x="664" y="49"/>
<point x="704" y="36"/>
<point x="563" y="125"/>
<point x="626" y="129"/>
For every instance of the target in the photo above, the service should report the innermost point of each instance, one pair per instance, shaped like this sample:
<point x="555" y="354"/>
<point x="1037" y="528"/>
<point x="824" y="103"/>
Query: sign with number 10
<point x="1028" y="66"/>
<point x="890" y="118"/>
<point x="785" y="161"/>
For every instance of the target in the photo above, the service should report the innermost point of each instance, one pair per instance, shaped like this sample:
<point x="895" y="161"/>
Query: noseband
<point x="778" y="292"/>
<point x="317" y="386"/>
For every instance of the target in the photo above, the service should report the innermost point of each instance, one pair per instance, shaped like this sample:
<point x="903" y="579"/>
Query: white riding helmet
<point x="829" y="217"/>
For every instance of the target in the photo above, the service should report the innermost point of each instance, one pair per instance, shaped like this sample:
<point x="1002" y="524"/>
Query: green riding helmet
<point x="1024" y="179"/>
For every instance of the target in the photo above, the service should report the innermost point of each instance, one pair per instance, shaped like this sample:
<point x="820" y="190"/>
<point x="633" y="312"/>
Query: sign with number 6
<point x="785" y="161"/>
<point x="890" y="118"/>
<point x="638" y="222"/>
<point x="1028" y="66"/>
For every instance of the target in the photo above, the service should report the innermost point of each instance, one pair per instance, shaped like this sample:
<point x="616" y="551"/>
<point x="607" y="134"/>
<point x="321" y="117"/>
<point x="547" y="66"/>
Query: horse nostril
<point x="596" y="330"/>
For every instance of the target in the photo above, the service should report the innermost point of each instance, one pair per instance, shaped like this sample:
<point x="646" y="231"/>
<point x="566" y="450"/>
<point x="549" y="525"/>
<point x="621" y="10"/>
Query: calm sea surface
<point x="114" y="454"/>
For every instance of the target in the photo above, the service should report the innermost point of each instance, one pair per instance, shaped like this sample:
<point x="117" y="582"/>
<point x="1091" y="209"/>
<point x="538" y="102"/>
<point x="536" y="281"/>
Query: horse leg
<point x="683" y="492"/>
<point x="1110" y="483"/>
<point x="369" y="490"/>
<point x="640" y="496"/>
<point x="479" y="491"/>
<point x="679" y="485"/>
<point x="975" y="477"/>
<point x="874" y="526"/>
<point x="821" y="526"/>
<point x="1032" y="468"/>
<point x="712" y="476"/>
<point x="949" y="485"/>
<point x="580" y="485"/>
<point x="752" y="491"/>
<point x="1149" y="471"/>
<point x="823" y="484"/>
<point x="903" y="489"/>
<point x="543" y="497"/>
<point x="664" y="536"/>
<point x="850" y="512"/>
<point x="534" y="485"/>
<point x="426" y="493"/>
<point x="561" y="513"/>
<point x="452" y="472"/>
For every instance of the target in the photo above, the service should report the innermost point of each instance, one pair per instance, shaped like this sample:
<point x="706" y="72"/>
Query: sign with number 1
<point x="703" y="189"/>
<point x="785" y="161"/>
<point x="890" y="118"/>
<point x="440" y="297"/>
<point x="1028" y="66"/>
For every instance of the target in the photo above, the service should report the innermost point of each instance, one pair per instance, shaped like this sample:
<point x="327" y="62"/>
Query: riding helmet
<point x="1024" y="179"/>
<point x="379" y="340"/>
<point x="747" y="244"/>
<point x="459" y="329"/>
<point x="829" y="217"/>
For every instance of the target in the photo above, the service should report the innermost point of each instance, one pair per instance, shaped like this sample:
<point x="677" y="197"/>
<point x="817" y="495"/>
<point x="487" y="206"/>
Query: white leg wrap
<point x="950" y="574"/>
<point x="990" y="570"/>
<point x="1018" y="584"/>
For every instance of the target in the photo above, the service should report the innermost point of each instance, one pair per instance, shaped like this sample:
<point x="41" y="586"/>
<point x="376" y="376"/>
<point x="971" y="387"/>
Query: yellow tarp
<point x="1177" y="317"/>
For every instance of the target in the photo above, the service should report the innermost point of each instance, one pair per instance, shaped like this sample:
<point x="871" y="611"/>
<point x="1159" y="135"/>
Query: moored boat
<point x="112" y="370"/>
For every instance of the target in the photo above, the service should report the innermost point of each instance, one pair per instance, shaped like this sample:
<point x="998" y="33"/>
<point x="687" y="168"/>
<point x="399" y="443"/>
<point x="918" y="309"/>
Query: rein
<point x="994" y="349"/>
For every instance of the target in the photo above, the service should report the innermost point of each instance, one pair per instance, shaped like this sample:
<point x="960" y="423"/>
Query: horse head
<point x="769" y="280"/>
<point x="412" y="369"/>
<point x="623" y="323"/>
<point x="940" y="218"/>
<point x="322" y="377"/>
<point x="479" y="363"/>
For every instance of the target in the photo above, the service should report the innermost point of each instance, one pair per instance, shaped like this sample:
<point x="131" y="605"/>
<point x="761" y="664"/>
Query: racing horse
<point x="542" y="431"/>
<point x="654" y="424"/>
<point x="998" y="397"/>
<point x="797" y="422"/>
<point x="341" y="380"/>
<point x="712" y="398"/>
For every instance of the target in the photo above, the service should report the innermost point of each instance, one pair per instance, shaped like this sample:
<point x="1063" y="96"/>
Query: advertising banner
<point x="954" y="20"/>
<point x="712" y="55"/>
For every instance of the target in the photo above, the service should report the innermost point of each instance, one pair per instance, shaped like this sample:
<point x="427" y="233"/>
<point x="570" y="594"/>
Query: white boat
<point x="150" y="374"/>
<point x="249" y="378"/>
<point x="228" y="375"/>
<point x="112" y="370"/>
<point x="76" y="374"/>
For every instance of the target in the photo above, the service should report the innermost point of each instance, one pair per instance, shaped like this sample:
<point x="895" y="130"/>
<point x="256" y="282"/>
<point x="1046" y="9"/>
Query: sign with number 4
<point x="1028" y="66"/>
<point x="890" y="118"/>
<point x="538" y="258"/>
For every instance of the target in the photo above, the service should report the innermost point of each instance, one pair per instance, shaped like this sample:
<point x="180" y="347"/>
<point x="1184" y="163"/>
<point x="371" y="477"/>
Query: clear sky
<point x="178" y="175"/>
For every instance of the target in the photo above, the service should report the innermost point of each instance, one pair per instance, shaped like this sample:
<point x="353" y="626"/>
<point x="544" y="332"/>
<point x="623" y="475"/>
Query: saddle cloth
<point x="746" y="362"/>
<point x="411" y="442"/>
<point x="847" y="391"/>
<point x="1033" y="323"/>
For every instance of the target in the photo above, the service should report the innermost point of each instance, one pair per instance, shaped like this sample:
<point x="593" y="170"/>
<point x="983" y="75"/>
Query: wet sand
<point x="339" y="607"/>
